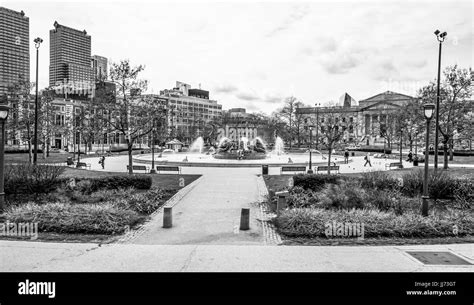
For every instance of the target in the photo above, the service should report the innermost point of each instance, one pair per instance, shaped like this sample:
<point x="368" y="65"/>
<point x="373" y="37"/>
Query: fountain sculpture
<point x="241" y="150"/>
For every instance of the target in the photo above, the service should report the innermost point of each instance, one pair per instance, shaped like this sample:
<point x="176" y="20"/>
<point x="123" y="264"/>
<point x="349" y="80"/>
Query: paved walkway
<point x="43" y="257"/>
<point x="210" y="212"/>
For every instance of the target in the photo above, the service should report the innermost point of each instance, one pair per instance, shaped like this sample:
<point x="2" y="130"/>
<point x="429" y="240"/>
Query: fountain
<point x="279" y="148"/>
<point x="241" y="149"/>
<point x="197" y="145"/>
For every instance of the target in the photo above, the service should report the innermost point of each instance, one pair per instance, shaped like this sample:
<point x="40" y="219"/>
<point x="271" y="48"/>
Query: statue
<point x="258" y="147"/>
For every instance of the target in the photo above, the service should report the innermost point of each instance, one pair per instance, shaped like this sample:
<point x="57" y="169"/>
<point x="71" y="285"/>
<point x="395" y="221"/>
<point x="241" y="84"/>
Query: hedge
<point x="26" y="178"/>
<point x="89" y="185"/>
<point x="315" y="182"/>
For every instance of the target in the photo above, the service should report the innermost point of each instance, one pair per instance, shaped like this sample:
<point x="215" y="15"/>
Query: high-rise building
<point x="14" y="48"/>
<point x="70" y="56"/>
<point x="99" y="67"/>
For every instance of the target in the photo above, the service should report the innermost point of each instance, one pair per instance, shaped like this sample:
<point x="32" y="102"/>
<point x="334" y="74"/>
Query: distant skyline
<point x="253" y="55"/>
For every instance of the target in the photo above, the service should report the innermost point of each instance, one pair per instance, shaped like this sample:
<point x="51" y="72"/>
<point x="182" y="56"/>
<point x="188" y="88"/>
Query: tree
<point x="288" y="114"/>
<point x="332" y="130"/>
<point x="455" y="92"/>
<point x="22" y="118"/>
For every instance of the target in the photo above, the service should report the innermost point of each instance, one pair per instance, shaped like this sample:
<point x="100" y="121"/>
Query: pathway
<point x="210" y="212"/>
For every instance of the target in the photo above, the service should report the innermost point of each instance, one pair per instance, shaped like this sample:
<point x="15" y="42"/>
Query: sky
<point x="254" y="54"/>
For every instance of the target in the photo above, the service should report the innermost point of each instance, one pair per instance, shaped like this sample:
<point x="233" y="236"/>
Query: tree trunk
<point x="47" y="147"/>
<point x="130" y="162"/>
<point x="30" y="151"/>
<point x="44" y="147"/>
<point x="329" y="158"/>
<point x="445" y="153"/>
<point x="451" y="150"/>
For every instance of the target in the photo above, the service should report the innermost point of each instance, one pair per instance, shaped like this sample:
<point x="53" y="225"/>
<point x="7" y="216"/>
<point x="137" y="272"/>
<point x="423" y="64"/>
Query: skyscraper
<point x="70" y="56"/>
<point x="14" y="48"/>
<point x="99" y="67"/>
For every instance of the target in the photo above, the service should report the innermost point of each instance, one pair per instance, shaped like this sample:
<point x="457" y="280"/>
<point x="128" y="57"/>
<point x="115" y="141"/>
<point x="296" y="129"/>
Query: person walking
<point x="102" y="161"/>
<point x="410" y="157"/>
<point x="367" y="160"/>
<point x="346" y="156"/>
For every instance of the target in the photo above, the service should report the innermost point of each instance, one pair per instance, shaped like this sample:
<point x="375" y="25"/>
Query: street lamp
<point x="441" y="37"/>
<point x="3" y="117"/>
<point x="152" y="170"/>
<point x="428" y="109"/>
<point x="317" y="105"/>
<point x="310" y="170"/>
<point x="37" y="42"/>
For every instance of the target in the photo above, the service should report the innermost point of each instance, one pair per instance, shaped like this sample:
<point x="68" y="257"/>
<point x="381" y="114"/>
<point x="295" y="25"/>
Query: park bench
<point x="326" y="168"/>
<point x="168" y="169"/>
<point x="393" y="164"/>
<point x="83" y="164"/>
<point x="139" y="168"/>
<point x="292" y="169"/>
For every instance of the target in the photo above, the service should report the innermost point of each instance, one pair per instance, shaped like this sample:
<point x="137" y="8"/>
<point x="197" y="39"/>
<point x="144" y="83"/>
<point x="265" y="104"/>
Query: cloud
<point x="225" y="89"/>
<point x="273" y="99"/>
<point x="340" y="64"/>
<point x="297" y="14"/>
<point x="247" y="96"/>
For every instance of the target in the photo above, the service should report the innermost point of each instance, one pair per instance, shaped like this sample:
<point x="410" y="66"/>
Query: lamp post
<point x="429" y="109"/>
<point x="441" y="37"/>
<point x="37" y="42"/>
<point x="317" y="105"/>
<point x="310" y="169"/>
<point x="152" y="170"/>
<point x="3" y="117"/>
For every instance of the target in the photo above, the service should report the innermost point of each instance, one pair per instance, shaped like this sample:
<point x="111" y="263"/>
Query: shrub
<point x="392" y="200"/>
<point x="143" y="203"/>
<point x="74" y="218"/>
<point x="140" y="182"/>
<point x="378" y="180"/>
<point x="315" y="182"/>
<point x="441" y="185"/>
<point x="26" y="178"/>
<point x="312" y="223"/>
<point x="463" y="193"/>
<point x="301" y="198"/>
<point x="342" y="196"/>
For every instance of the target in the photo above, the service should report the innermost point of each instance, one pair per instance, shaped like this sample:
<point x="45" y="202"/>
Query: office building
<point x="14" y="48"/>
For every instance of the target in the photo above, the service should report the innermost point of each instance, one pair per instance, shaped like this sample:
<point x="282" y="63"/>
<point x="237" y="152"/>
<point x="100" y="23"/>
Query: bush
<point x="143" y="203"/>
<point x="342" y="196"/>
<point x="301" y="198"/>
<point x="392" y="200"/>
<point x="315" y="182"/>
<point x="74" y="218"/>
<point x="26" y="178"/>
<point x="140" y="182"/>
<point x="464" y="193"/>
<point x="312" y="223"/>
<point x="378" y="180"/>
<point x="441" y="185"/>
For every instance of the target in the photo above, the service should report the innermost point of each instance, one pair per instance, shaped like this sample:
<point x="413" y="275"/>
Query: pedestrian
<point x="289" y="160"/>
<point x="410" y="157"/>
<point x="346" y="156"/>
<point x="102" y="161"/>
<point x="367" y="160"/>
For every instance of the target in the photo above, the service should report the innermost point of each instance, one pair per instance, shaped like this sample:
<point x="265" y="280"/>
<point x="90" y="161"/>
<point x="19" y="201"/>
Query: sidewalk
<point x="43" y="257"/>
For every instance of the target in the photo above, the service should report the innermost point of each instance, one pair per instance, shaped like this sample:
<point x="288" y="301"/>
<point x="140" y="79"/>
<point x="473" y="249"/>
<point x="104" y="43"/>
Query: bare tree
<point x="456" y="90"/>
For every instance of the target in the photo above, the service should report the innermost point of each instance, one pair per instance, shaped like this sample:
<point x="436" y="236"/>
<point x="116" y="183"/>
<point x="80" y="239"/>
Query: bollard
<point x="167" y="217"/>
<point x="281" y="203"/>
<point x="245" y="219"/>
<point x="271" y="194"/>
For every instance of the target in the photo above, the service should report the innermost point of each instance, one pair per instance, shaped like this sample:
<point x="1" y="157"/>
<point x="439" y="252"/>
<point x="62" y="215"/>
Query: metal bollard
<point x="245" y="219"/>
<point x="281" y="203"/>
<point x="271" y="194"/>
<point x="167" y="217"/>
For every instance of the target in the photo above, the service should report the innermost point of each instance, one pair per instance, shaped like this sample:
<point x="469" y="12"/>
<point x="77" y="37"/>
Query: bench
<point x="326" y="168"/>
<point x="393" y="164"/>
<point x="139" y="168"/>
<point x="292" y="169"/>
<point x="168" y="169"/>
<point x="83" y="164"/>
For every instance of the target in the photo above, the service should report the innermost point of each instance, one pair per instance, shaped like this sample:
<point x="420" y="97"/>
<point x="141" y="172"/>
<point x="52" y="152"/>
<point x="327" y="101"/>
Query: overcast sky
<point x="254" y="54"/>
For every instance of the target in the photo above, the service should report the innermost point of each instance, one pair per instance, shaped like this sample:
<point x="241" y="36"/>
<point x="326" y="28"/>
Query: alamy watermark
<point x="13" y="229"/>
<point x="86" y="88"/>
<point x="344" y="229"/>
